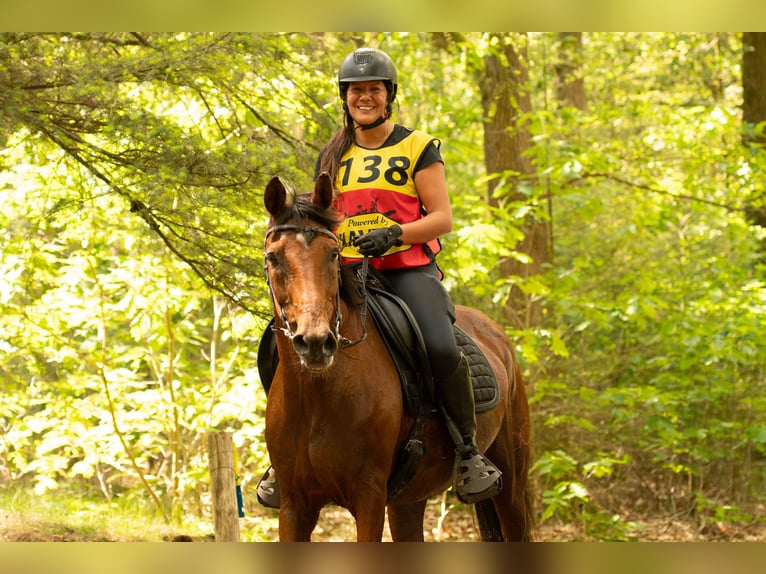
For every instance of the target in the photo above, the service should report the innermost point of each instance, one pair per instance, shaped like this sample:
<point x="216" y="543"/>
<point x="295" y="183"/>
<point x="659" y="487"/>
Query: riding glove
<point x="378" y="241"/>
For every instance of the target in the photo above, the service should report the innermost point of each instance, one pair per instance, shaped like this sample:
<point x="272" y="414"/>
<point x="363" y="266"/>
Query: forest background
<point x="609" y="198"/>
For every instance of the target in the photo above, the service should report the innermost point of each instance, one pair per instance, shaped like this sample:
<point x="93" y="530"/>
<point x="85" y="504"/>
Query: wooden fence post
<point x="223" y="487"/>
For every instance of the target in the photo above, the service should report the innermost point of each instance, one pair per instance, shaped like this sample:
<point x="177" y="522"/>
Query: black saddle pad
<point x="485" y="391"/>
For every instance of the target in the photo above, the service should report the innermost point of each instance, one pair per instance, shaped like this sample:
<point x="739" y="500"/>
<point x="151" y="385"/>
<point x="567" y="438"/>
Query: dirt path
<point x="444" y="523"/>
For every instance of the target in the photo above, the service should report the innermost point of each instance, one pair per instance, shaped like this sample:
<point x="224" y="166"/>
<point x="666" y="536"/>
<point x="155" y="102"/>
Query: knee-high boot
<point x="475" y="478"/>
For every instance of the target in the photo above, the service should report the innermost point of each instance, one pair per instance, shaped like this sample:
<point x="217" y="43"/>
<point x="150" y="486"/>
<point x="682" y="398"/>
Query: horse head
<point x="302" y="261"/>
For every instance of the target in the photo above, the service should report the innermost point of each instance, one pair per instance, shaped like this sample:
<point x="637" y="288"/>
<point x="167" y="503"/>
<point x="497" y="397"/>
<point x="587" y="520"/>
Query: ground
<point x="459" y="524"/>
<point x="446" y="521"/>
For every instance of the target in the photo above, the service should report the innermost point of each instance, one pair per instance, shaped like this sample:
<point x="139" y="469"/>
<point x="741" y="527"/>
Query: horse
<point x="335" y="415"/>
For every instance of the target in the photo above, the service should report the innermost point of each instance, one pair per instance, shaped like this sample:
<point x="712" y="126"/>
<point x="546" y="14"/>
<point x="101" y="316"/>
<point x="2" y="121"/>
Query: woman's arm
<point x="431" y="185"/>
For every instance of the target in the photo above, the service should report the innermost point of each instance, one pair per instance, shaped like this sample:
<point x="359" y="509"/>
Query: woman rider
<point x="392" y="192"/>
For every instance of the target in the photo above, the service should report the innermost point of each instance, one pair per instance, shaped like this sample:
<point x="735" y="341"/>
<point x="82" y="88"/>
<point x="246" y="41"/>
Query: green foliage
<point x="118" y="360"/>
<point x="656" y="288"/>
<point x="568" y="499"/>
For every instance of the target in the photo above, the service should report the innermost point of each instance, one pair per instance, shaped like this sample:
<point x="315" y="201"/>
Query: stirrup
<point x="476" y="478"/>
<point x="267" y="490"/>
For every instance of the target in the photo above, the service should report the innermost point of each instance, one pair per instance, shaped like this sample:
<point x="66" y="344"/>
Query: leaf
<point x="558" y="346"/>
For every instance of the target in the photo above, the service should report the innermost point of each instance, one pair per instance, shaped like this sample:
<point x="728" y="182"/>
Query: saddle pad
<point x="485" y="391"/>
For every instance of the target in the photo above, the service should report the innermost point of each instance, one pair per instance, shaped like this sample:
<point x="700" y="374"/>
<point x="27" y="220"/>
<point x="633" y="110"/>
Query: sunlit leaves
<point x="118" y="342"/>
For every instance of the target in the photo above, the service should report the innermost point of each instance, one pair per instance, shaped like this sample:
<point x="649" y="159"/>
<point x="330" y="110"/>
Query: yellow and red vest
<point x="376" y="188"/>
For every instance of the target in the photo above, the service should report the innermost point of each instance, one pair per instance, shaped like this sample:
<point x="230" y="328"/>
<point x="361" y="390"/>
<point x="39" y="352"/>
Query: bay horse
<point x="335" y="416"/>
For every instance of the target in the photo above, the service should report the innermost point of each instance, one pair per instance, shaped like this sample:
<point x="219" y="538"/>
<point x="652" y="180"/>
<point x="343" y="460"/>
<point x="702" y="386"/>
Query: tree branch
<point x="588" y="175"/>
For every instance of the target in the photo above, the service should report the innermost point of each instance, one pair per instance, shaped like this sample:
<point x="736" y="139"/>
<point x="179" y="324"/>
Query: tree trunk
<point x="570" y="86"/>
<point x="754" y="113"/>
<point x="753" y="85"/>
<point x="504" y="86"/>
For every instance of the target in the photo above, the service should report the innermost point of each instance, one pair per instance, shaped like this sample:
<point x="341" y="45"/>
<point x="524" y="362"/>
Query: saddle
<point x="404" y="340"/>
<point x="405" y="343"/>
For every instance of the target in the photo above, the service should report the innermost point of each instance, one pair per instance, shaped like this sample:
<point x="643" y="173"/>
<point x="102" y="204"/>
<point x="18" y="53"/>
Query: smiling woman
<point x="389" y="186"/>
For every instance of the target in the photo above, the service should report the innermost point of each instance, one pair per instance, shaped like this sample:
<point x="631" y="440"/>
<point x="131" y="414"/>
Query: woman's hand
<point x="378" y="241"/>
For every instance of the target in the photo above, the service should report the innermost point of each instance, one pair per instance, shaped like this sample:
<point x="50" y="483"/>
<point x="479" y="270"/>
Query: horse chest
<point x="321" y="432"/>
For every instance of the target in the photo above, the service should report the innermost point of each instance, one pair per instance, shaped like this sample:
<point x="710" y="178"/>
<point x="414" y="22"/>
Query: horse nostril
<point x="299" y="343"/>
<point x="316" y="348"/>
<point x="330" y="346"/>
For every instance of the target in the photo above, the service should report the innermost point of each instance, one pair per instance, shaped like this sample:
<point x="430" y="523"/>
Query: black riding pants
<point x="423" y="292"/>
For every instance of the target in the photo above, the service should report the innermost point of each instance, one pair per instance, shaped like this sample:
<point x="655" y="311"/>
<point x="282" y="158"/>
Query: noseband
<point x="309" y="232"/>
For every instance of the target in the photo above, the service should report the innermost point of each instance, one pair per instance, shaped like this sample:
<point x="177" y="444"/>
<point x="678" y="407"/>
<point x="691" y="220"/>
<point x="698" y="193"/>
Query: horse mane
<point x="302" y="210"/>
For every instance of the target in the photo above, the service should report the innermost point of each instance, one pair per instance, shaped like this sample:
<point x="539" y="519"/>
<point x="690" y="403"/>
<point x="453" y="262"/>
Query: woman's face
<point x="367" y="101"/>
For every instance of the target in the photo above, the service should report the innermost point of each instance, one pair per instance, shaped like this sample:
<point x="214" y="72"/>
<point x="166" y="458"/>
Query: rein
<point x="309" y="232"/>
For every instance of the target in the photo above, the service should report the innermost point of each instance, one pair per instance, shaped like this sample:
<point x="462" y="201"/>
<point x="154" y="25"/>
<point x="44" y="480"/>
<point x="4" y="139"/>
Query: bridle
<point x="309" y="231"/>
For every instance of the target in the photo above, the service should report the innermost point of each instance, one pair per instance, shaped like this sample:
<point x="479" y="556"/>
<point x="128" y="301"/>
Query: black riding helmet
<point x="367" y="64"/>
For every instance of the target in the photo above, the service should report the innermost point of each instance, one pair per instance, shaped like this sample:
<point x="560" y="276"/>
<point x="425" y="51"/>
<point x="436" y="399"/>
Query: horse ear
<point x="275" y="196"/>
<point x="323" y="193"/>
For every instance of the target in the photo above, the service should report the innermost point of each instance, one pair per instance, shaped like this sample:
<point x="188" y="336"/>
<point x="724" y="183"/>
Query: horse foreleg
<point x="406" y="521"/>
<point x="369" y="511"/>
<point x="296" y="524"/>
<point x="369" y="525"/>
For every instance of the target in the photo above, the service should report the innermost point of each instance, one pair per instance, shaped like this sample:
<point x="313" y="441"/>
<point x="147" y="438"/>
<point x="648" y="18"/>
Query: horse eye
<point x="334" y="254"/>
<point x="272" y="260"/>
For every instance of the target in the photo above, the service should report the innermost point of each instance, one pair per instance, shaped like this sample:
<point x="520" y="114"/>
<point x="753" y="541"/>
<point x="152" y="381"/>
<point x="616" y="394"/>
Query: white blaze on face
<point x="302" y="240"/>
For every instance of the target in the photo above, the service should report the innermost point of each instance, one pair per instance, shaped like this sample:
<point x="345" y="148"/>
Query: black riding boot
<point x="475" y="477"/>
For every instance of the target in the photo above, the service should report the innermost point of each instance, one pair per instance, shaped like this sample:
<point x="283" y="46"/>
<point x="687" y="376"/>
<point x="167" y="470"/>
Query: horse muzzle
<point x="317" y="350"/>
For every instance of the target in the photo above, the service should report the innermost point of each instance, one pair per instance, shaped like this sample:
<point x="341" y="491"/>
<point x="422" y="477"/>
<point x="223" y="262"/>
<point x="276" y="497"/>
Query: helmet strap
<point x="374" y="124"/>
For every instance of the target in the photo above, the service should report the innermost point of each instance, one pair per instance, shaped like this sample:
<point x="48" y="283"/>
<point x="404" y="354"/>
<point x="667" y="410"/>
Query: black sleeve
<point x="430" y="155"/>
